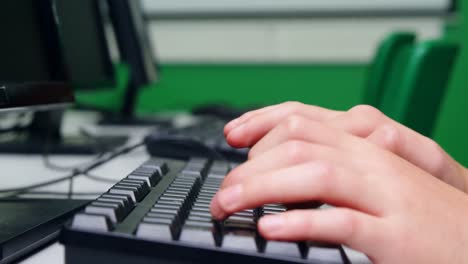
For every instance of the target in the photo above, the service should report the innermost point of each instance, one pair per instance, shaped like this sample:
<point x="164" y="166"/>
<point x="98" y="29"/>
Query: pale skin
<point x="398" y="197"/>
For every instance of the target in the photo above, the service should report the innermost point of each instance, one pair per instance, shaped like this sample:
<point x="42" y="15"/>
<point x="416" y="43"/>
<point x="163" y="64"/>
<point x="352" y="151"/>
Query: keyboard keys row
<point x="169" y="213"/>
<point x="112" y="207"/>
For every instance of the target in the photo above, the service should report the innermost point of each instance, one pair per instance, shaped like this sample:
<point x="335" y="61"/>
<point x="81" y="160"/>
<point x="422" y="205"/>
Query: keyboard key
<point x="121" y="203"/>
<point x="282" y="248"/>
<point x="324" y="253"/>
<point x="200" y="233"/>
<point x="205" y="214"/>
<point x="152" y="180"/>
<point x="90" y="222"/>
<point x="142" y="183"/>
<point x="151" y="173"/>
<point x="155" y="230"/>
<point x="140" y="192"/>
<point x="159" y="165"/>
<point x="112" y="211"/>
<point x="125" y="191"/>
<point x="240" y="240"/>
<point x="159" y="210"/>
<point x="220" y="168"/>
<point x="128" y="202"/>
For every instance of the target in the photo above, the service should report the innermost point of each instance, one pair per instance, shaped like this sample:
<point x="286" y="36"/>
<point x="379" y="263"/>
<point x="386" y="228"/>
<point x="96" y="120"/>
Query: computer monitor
<point x="33" y="71"/>
<point x="32" y="78"/>
<point x="84" y="44"/>
<point x="134" y="48"/>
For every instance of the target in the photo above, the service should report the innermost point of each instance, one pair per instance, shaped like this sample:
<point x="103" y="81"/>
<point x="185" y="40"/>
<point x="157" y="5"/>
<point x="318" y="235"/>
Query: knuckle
<point x="324" y="174"/>
<point x="391" y="138"/>
<point x="295" y="151"/>
<point x="349" y="223"/>
<point x="293" y="126"/>
<point x="366" y="111"/>
<point x="439" y="158"/>
<point x="303" y="224"/>
<point x="293" y="105"/>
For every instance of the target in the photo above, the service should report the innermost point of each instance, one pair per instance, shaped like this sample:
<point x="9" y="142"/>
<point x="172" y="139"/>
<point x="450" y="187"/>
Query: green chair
<point x="417" y="84"/>
<point x="384" y="59"/>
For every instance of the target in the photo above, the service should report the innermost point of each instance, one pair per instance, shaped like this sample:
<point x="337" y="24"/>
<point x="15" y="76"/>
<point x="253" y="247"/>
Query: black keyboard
<point x="160" y="212"/>
<point x="197" y="140"/>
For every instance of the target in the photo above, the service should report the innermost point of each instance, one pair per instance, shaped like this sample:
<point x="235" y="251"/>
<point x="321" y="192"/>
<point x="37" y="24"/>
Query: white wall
<point x="279" y="40"/>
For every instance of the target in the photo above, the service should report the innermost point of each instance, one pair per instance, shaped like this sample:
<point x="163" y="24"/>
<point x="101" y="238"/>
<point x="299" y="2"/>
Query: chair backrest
<point x="383" y="60"/>
<point x="418" y="84"/>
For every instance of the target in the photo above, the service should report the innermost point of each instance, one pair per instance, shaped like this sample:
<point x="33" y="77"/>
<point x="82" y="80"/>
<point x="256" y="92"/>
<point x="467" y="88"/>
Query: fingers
<point x="282" y="156"/>
<point x="229" y="126"/>
<point x="362" y="121"/>
<point x="248" y="129"/>
<point x="357" y="230"/>
<point x="306" y="182"/>
<point x="302" y="129"/>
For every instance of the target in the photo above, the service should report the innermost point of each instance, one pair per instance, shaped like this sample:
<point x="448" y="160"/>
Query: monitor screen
<point x="31" y="69"/>
<point x="84" y="43"/>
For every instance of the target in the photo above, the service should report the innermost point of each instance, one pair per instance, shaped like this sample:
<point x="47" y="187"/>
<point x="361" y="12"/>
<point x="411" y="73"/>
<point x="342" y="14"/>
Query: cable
<point x="75" y="173"/>
<point x="99" y="178"/>
<point x="52" y="166"/>
<point x="70" y="188"/>
<point x="46" y="193"/>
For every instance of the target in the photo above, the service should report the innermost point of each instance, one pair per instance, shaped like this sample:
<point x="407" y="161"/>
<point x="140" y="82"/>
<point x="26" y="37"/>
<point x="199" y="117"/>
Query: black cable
<point x="99" y="178"/>
<point x="48" y="193"/>
<point x="52" y="166"/>
<point x="75" y="173"/>
<point x="70" y="188"/>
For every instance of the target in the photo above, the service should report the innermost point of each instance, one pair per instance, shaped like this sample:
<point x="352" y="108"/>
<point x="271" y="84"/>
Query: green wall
<point x="185" y="86"/>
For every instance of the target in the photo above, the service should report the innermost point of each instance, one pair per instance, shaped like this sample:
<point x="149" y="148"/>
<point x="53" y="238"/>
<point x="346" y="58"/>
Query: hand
<point x="387" y="208"/>
<point x="363" y="121"/>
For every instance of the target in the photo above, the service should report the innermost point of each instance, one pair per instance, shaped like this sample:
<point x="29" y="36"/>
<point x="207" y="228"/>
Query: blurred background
<point x="168" y="74"/>
<point x="259" y="52"/>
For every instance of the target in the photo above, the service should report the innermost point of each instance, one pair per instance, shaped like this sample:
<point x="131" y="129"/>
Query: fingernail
<point x="216" y="211"/>
<point x="230" y="198"/>
<point x="232" y="124"/>
<point x="236" y="130"/>
<point x="272" y="224"/>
